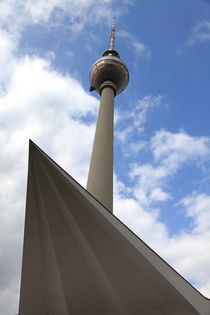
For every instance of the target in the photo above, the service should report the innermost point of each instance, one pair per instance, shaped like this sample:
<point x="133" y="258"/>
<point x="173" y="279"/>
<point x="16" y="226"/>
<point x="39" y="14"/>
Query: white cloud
<point x="170" y="152"/>
<point x="139" y="48"/>
<point x="158" y="194"/>
<point x="35" y="88"/>
<point x="200" y="33"/>
<point x="149" y="180"/>
<point x="70" y="54"/>
<point x="173" y="148"/>
<point x="124" y="133"/>
<point x="135" y="147"/>
<point x="16" y="14"/>
<point x="198" y="207"/>
<point x="138" y="118"/>
<point x="144" y="105"/>
<point x="7" y="48"/>
<point x="139" y="220"/>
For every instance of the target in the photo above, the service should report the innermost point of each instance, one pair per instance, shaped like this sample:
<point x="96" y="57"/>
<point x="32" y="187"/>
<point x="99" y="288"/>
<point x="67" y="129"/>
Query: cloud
<point x="200" y="33"/>
<point x="16" y="14"/>
<point x="137" y="118"/>
<point x="36" y="88"/>
<point x="173" y="148"/>
<point x="170" y="152"/>
<point x="149" y="180"/>
<point x="70" y="54"/>
<point x="144" y="105"/>
<point x="135" y="147"/>
<point x="139" y="48"/>
<point x="8" y="48"/>
<point x="123" y="134"/>
<point x="198" y="207"/>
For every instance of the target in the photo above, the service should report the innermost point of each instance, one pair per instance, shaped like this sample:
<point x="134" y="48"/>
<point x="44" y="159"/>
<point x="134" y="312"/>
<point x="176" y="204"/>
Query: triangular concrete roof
<point x="78" y="258"/>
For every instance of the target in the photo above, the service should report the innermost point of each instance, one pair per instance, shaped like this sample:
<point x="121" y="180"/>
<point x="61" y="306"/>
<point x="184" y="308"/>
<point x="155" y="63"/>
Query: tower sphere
<point x="109" y="68"/>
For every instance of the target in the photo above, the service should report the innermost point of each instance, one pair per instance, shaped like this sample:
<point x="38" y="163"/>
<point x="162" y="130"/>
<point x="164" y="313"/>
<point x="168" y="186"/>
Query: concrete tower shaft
<point x="100" y="177"/>
<point x="109" y="76"/>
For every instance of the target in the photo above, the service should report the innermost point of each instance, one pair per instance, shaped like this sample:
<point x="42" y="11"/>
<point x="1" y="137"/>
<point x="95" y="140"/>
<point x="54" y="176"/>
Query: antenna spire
<point x="112" y="38"/>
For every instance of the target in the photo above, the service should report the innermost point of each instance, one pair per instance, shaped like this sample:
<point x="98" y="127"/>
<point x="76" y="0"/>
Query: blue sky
<point x="162" y="134"/>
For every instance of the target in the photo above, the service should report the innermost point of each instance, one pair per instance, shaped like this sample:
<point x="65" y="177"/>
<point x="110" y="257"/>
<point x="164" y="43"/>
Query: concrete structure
<point x="108" y="76"/>
<point x="78" y="258"/>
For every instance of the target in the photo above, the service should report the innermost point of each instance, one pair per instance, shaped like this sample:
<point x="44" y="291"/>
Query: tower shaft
<point x="108" y="76"/>
<point x="100" y="177"/>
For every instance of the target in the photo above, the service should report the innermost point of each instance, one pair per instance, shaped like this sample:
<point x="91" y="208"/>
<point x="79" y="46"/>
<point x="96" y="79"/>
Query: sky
<point x="162" y="130"/>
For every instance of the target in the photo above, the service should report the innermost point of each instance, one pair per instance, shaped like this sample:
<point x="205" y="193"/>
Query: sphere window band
<point x="108" y="67"/>
<point x="116" y="67"/>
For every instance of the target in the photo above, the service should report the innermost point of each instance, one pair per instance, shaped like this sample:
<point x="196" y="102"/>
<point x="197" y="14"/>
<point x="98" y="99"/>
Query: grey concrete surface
<point x="78" y="258"/>
<point x="100" y="177"/>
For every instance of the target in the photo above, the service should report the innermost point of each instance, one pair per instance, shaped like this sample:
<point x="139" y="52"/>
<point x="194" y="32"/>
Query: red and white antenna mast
<point x="112" y="35"/>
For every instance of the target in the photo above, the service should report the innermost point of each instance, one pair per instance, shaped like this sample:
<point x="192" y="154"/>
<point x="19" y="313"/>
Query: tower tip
<point x="112" y="35"/>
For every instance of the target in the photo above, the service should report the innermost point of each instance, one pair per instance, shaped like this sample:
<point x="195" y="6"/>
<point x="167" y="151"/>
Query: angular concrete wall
<point x="78" y="258"/>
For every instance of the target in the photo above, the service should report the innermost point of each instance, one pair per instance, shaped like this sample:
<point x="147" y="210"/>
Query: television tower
<point x="108" y="76"/>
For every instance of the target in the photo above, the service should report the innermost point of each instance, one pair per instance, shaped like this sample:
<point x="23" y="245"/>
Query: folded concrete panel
<point x="78" y="258"/>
